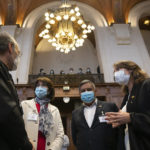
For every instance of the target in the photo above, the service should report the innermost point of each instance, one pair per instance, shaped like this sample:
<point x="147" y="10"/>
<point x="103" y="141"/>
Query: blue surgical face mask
<point x="41" y="92"/>
<point x="87" y="96"/>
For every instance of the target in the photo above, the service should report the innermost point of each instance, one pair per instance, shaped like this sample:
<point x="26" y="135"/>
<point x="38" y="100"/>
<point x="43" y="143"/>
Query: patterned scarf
<point x="45" y="117"/>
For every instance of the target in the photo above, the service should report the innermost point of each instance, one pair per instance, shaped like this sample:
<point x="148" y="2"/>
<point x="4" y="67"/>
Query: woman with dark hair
<point x="42" y="120"/>
<point x="134" y="116"/>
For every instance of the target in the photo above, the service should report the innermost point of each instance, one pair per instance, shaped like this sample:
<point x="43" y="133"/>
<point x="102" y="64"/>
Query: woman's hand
<point x="117" y="118"/>
<point x="33" y="148"/>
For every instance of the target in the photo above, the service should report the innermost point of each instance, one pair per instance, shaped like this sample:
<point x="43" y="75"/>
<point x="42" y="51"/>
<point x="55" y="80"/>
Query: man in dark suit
<point x="12" y="131"/>
<point x="90" y="130"/>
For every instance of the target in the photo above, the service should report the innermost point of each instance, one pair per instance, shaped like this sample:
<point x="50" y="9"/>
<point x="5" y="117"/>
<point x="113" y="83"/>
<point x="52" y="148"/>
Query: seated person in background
<point x="71" y="71"/>
<point x="88" y="71"/>
<point x="62" y="72"/>
<point x="42" y="120"/>
<point x="80" y="71"/>
<point x="42" y="72"/>
<point x="52" y="72"/>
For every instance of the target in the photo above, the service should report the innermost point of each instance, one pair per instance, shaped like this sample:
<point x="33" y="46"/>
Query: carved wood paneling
<point x="110" y="92"/>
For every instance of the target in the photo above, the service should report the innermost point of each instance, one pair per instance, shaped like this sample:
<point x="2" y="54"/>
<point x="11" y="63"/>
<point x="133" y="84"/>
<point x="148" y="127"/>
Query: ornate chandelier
<point x="66" y="28"/>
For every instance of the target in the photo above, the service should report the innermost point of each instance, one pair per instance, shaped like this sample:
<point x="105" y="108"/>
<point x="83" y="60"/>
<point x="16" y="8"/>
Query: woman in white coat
<point x="42" y="120"/>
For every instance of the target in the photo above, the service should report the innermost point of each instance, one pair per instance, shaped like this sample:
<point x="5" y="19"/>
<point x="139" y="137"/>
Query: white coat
<point x="31" y="119"/>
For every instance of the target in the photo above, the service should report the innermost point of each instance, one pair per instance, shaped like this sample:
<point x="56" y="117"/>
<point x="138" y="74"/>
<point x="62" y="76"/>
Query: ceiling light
<point x="66" y="17"/>
<point x="80" y="21"/>
<point x="83" y="26"/>
<point x="52" y="21"/>
<point x="73" y="18"/>
<point x="77" y="9"/>
<point x="65" y="29"/>
<point x="46" y="14"/>
<point x="72" y="11"/>
<point x="51" y="15"/>
<point x="78" y="14"/>
<point x="58" y="18"/>
<point x="48" y="26"/>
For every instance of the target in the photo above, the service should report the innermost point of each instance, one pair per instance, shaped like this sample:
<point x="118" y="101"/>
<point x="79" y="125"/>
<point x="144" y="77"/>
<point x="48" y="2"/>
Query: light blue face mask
<point x="41" y="92"/>
<point x="121" y="77"/>
<point x="87" y="96"/>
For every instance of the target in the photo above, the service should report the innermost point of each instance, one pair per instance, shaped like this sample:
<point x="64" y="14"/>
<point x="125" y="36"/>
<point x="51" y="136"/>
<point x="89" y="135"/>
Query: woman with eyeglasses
<point x="42" y="120"/>
<point x="133" y="119"/>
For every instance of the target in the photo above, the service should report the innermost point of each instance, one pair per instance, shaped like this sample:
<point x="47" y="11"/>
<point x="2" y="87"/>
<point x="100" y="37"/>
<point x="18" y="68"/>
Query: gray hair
<point x="87" y="81"/>
<point x="5" y="40"/>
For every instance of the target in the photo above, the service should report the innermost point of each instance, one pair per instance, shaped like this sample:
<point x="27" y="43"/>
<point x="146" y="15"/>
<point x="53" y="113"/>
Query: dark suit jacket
<point x="100" y="136"/>
<point x="12" y="131"/>
<point x="139" y="107"/>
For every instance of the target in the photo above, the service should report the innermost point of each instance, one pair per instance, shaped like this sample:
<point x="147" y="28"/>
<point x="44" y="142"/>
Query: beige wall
<point x="48" y="58"/>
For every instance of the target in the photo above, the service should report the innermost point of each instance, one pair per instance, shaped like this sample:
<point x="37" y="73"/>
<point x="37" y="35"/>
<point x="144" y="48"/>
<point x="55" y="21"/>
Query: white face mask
<point x="121" y="77"/>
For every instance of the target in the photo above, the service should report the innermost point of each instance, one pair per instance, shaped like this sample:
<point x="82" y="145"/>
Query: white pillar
<point x="120" y="42"/>
<point x="26" y="45"/>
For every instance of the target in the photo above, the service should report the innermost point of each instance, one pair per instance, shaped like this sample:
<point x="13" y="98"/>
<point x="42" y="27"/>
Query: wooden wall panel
<point x="112" y="92"/>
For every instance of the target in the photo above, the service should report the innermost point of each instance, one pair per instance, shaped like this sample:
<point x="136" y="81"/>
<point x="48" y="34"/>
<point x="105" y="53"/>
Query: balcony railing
<point x="71" y="79"/>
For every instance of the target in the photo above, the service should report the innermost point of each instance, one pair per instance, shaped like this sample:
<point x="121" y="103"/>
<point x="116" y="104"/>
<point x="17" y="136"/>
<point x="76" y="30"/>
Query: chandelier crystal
<point x="66" y="28"/>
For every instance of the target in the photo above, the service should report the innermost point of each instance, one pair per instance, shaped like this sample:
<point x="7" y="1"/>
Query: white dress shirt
<point x="89" y="113"/>
<point x="126" y="138"/>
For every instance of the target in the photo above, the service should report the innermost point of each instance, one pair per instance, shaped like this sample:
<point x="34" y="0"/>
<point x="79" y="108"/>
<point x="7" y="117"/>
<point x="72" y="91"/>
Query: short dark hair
<point x="47" y="82"/>
<point x="86" y="81"/>
<point x="5" y="39"/>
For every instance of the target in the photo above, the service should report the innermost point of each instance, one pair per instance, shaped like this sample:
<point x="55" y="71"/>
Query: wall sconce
<point x="66" y="88"/>
<point x="66" y="99"/>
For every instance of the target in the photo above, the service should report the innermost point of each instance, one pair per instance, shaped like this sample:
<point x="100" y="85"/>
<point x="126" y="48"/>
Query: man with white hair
<point x="12" y="130"/>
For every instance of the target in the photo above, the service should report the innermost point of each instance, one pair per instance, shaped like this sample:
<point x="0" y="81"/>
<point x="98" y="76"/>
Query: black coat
<point x="100" y="136"/>
<point x="139" y="107"/>
<point x="12" y="130"/>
